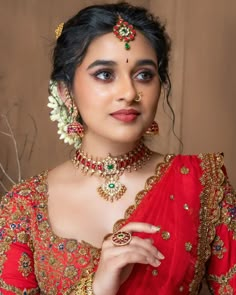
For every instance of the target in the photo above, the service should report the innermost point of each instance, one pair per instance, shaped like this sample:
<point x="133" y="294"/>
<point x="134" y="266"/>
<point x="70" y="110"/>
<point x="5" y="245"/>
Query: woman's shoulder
<point x="29" y="190"/>
<point x="209" y="166"/>
<point x="205" y="160"/>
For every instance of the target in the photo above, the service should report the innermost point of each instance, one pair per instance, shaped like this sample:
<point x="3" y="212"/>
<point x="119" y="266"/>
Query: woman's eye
<point x="104" y="75"/>
<point x="145" y="76"/>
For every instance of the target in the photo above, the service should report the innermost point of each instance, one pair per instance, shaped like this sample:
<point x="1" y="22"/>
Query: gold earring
<point x="138" y="98"/>
<point x="74" y="128"/>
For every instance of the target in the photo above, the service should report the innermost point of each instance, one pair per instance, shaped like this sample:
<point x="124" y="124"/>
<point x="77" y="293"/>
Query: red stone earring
<point x="74" y="128"/>
<point x="153" y="129"/>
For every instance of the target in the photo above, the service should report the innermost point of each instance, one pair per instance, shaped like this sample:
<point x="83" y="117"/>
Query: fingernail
<point x="156" y="228"/>
<point x="157" y="262"/>
<point x="160" y="255"/>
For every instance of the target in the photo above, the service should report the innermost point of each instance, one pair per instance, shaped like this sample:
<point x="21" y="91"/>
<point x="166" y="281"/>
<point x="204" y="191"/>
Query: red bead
<point x="99" y="167"/>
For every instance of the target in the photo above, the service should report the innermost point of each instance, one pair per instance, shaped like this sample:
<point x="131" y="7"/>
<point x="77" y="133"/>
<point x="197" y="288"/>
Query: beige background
<point x="202" y="71"/>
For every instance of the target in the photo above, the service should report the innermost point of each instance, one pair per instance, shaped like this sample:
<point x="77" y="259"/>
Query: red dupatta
<point x="173" y="204"/>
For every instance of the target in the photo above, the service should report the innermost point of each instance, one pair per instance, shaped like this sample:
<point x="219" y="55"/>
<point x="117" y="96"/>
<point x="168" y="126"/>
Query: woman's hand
<point x="116" y="263"/>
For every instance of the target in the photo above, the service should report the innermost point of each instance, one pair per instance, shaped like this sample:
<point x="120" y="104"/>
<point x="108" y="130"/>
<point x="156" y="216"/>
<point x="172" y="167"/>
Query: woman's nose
<point x="128" y="91"/>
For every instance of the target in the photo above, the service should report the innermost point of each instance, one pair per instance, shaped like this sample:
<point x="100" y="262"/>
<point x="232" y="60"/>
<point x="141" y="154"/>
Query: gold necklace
<point x="111" y="168"/>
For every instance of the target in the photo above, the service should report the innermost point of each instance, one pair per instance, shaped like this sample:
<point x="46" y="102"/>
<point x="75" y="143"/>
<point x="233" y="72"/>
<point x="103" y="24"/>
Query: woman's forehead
<point x="108" y="47"/>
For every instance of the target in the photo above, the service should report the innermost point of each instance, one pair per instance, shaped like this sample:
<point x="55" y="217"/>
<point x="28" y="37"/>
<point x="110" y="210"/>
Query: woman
<point x="118" y="218"/>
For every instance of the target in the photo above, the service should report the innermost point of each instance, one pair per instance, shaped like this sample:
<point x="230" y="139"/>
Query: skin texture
<point x="105" y="83"/>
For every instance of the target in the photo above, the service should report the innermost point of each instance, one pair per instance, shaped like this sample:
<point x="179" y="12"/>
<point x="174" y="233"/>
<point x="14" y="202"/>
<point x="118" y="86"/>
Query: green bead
<point x="111" y="185"/>
<point x="127" y="46"/>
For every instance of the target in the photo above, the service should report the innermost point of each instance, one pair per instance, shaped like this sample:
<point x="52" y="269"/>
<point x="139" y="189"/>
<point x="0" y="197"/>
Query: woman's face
<point x="108" y="81"/>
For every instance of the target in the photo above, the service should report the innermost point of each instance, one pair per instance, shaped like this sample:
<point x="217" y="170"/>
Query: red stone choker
<point x="111" y="168"/>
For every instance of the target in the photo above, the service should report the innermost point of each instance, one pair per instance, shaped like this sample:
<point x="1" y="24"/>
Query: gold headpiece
<point x="124" y="31"/>
<point x="58" y="30"/>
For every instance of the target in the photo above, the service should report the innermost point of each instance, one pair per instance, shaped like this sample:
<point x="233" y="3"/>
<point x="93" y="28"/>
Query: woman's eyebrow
<point x="104" y="62"/>
<point x="144" y="62"/>
<point x="101" y="62"/>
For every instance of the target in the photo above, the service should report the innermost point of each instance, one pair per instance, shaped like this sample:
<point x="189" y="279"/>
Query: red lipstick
<point x="125" y="115"/>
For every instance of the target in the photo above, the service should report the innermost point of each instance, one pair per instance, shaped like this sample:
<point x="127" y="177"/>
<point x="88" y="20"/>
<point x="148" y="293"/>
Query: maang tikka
<point x="124" y="31"/>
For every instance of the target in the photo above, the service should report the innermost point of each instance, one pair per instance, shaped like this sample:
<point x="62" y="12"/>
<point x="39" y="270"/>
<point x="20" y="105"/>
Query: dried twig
<point x="4" y="133"/>
<point x="6" y="175"/>
<point x="15" y="146"/>
<point x="3" y="186"/>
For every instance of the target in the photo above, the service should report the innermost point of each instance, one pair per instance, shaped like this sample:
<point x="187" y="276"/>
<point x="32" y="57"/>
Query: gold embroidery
<point x="25" y="265"/>
<point x="212" y="194"/>
<point x="155" y="272"/>
<point x="228" y="212"/>
<point x="2" y="222"/>
<point x="24" y="192"/>
<point x="70" y="272"/>
<point x="186" y="207"/>
<point x="165" y="235"/>
<point x="71" y="246"/>
<point x="184" y="170"/>
<point x="218" y="248"/>
<point x="223" y="280"/>
<point x="17" y="291"/>
<point x="22" y="237"/>
<point x="188" y="246"/>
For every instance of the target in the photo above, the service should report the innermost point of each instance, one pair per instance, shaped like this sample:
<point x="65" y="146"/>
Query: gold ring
<point x="121" y="238"/>
<point x="138" y="97"/>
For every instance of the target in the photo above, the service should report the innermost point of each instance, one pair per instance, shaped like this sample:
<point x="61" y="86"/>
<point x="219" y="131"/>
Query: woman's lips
<point x="125" y="115"/>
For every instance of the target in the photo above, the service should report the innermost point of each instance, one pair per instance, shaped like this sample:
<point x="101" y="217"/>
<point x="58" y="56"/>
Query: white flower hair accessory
<point x="63" y="115"/>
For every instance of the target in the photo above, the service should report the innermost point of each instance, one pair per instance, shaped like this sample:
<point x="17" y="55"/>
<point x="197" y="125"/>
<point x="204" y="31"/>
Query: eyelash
<point x="99" y="72"/>
<point x="111" y="75"/>
<point x="148" y="73"/>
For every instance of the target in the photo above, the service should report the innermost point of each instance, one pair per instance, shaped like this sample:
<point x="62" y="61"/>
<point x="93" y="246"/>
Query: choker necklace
<point x="111" y="168"/>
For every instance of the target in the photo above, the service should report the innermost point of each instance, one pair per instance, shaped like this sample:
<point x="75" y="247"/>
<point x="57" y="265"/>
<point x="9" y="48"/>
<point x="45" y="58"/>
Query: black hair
<point x="97" y="20"/>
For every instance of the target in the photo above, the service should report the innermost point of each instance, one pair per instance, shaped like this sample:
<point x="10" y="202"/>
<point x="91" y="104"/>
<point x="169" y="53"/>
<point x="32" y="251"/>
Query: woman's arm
<point x="222" y="265"/>
<point x="16" y="263"/>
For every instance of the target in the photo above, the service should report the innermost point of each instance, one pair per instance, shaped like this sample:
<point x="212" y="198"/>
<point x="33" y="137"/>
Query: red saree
<point x="188" y="198"/>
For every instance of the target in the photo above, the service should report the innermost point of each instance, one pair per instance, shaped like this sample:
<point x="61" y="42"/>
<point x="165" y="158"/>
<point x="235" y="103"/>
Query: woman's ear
<point x="64" y="94"/>
<point x="63" y="91"/>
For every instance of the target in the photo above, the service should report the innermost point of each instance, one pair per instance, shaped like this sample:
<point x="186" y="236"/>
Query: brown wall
<point x="202" y="71"/>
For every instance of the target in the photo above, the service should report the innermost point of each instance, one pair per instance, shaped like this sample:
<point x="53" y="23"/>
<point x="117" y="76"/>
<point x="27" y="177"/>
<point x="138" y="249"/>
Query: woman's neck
<point x="100" y="147"/>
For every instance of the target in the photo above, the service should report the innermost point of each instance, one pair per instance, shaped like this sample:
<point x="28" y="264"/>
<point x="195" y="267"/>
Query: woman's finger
<point x="140" y="227"/>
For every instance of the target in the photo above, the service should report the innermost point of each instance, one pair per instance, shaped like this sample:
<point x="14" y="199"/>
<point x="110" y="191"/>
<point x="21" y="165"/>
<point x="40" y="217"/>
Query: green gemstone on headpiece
<point x="127" y="46"/>
<point x="111" y="185"/>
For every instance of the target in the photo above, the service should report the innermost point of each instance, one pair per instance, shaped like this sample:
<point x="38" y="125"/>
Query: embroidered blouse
<point x="189" y="198"/>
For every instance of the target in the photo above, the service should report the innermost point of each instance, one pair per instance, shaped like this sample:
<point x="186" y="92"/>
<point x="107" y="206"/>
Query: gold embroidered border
<point x="226" y="218"/>
<point x="159" y="172"/>
<point x="17" y="291"/>
<point x="223" y="280"/>
<point x="212" y="193"/>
